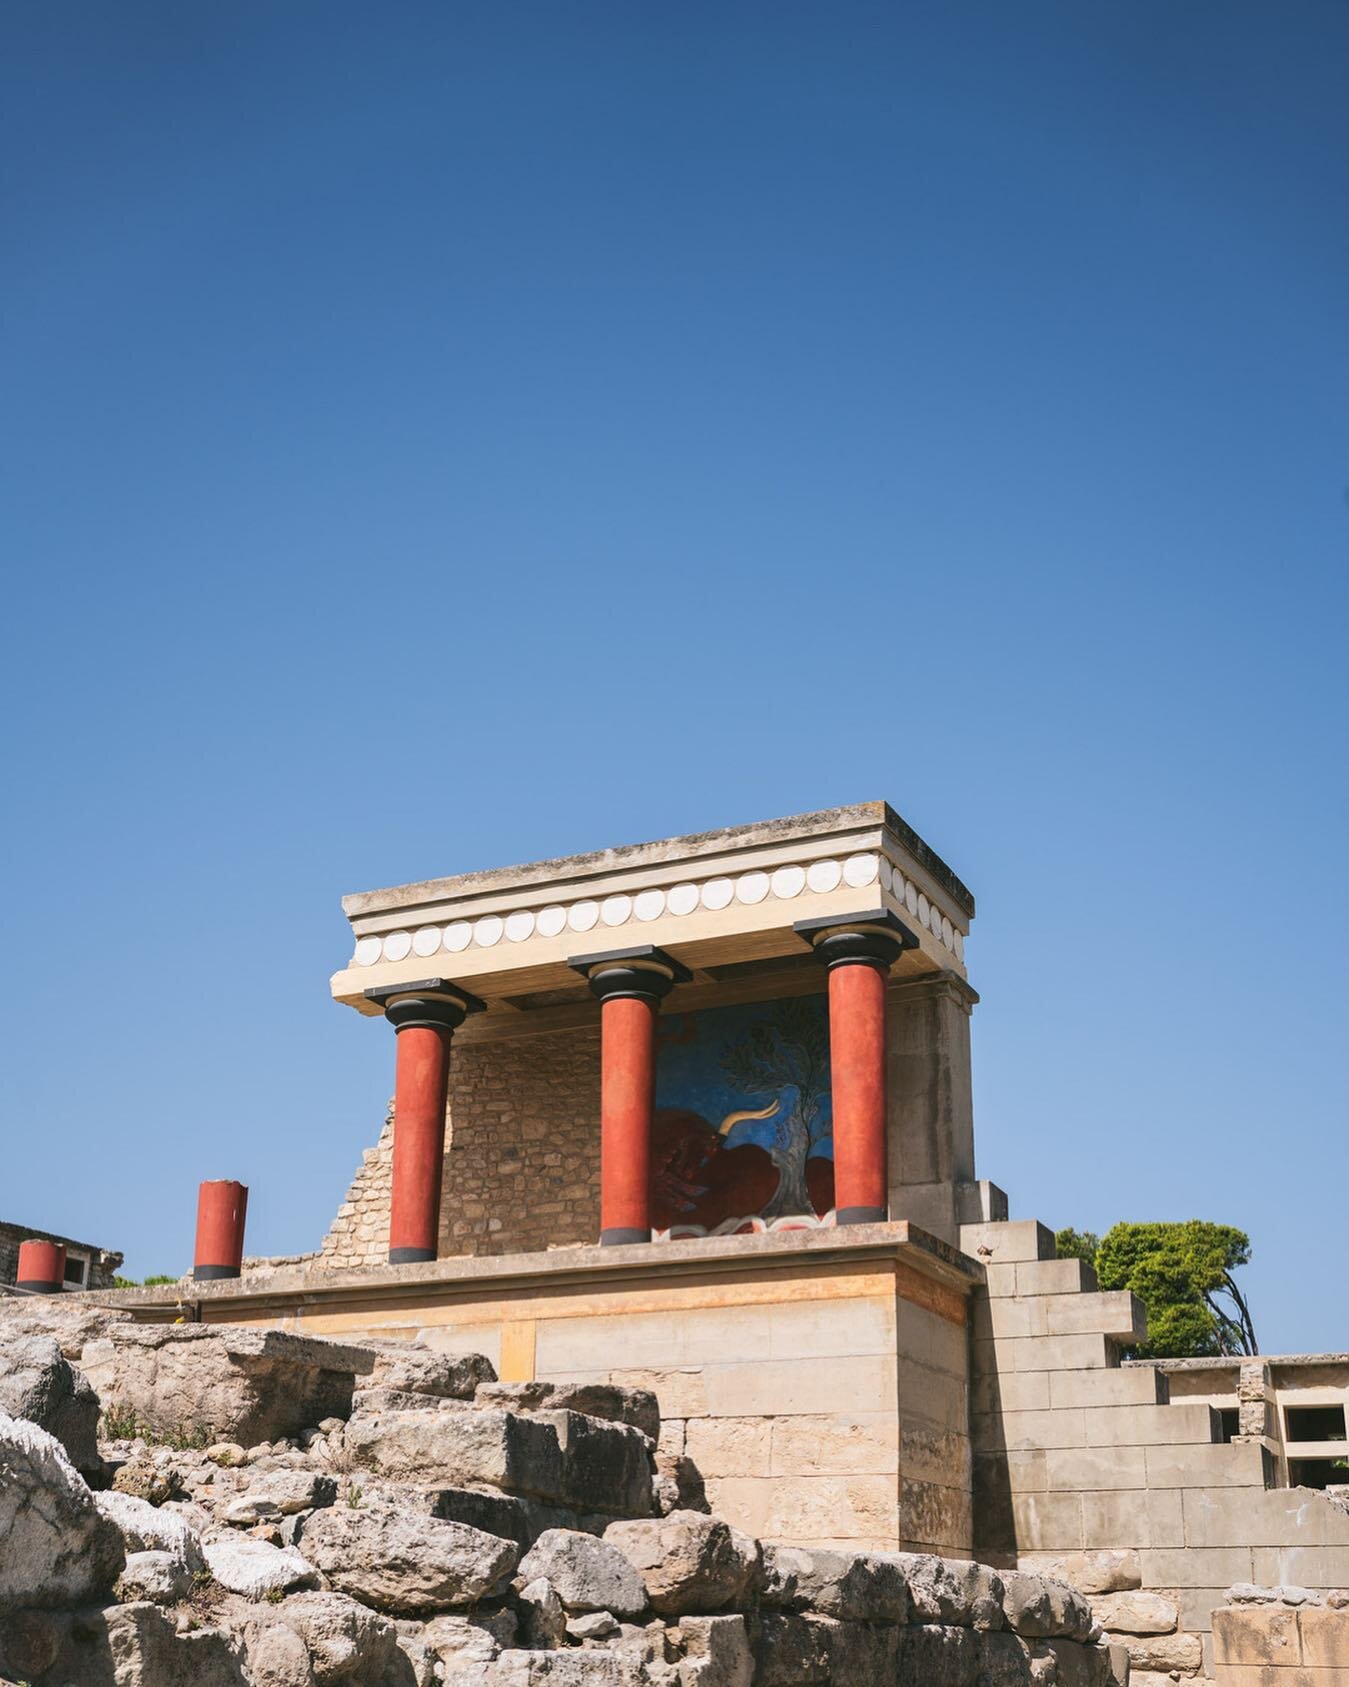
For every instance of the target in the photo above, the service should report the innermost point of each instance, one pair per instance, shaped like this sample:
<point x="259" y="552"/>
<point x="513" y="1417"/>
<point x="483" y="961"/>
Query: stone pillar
<point x="222" y="1207"/>
<point x="932" y="1107"/>
<point x="42" y="1268"/>
<point x="859" y="953"/>
<point x="630" y="984"/>
<point x="424" y="1015"/>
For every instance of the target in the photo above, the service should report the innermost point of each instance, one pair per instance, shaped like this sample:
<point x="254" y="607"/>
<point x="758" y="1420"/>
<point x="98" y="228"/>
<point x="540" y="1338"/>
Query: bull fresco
<point x="742" y="1134"/>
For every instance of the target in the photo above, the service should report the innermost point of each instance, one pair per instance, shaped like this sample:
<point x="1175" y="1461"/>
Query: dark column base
<point x="861" y="1215"/>
<point x="210" y="1273"/>
<point x="34" y="1288"/>
<point x="620" y="1238"/>
<point x="410" y="1256"/>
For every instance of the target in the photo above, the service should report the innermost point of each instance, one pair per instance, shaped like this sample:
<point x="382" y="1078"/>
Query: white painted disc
<point x="824" y="875"/>
<point x="552" y="921"/>
<point x="924" y="909"/>
<point x="581" y="916"/>
<point x="859" y="870"/>
<point x="789" y="882"/>
<point x="649" y="904"/>
<point x="615" y="910"/>
<point x="683" y="899"/>
<point x="398" y="946"/>
<point x="457" y="936"/>
<point x="751" y="887"/>
<point x="488" y="931"/>
<point x="947" y="931"/>
<point x="911" y="896"/>
<point x="519" y="925"/>
<point x="887" y="874"/>
<point x="426" y="940"/>
<point x="368" y="951"/>
<point x="717" y="893"/>
<point x="960" y="944"/>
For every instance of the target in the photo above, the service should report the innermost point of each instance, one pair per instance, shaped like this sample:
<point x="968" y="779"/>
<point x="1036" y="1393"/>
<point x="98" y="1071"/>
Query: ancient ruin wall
<point x="522" y="1158"/>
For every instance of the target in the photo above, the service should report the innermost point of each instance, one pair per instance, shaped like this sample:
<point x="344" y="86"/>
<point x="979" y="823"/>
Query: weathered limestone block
<point x="790" y="1651"/>
<point x="866" y="1654"/>
<point x="545" y="1620"/>
<point x="606" y="1467"/>
<point x="953" y="1591"/>
<point x="1095" y="1572"/>
<point x="1042" y="1606"/>
<point x="71" y="1321"/>
<point x="255" y="1569"/>
<point x="636" y="1406"/>
<point x="160" y="1577"/>
<point x="407" y="1565"/>
<point x="133" y="1645"/>
<point x="689" y="1563"/>
<point x="1136" y="1613"/>
<point x="717" y="1653"/>
<point x="853" y="1586"/>
<point x="239" y="1383"/>
<point x="56" y="1547"/>
<point x="1251" y="1635"/>
<point x="415" y="1369"/>
<point x="509" y="1450"/>
<point x="1073" y="1664"/>
<point x="1162" y="1652"/>
<point x="38" y="1383"/>
<point x="149" y="1528"/>
<point x="344" y="1641"/>
<point x="277" y="1657"/>
<point x="289" y="1491"/>
<point x="586" y="1574"/>
<point x="938" y="1655"/>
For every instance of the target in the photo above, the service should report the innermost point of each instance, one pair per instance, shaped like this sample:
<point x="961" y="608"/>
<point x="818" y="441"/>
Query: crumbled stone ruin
<point x="431" y="1525"/>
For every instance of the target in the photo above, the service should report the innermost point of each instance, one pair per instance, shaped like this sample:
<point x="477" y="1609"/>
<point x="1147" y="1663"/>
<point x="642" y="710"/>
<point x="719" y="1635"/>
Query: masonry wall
<point x="522" y="1155"/>
<point x="1074" y="1453"/>
<point x="102" y="1264"/>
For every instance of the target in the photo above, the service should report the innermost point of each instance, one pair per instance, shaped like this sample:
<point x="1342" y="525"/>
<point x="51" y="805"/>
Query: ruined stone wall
<point x="522" y="1167"/>
<point x="102" y="1264"/>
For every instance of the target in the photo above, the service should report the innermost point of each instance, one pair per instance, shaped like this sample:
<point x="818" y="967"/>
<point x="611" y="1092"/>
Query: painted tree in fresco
<point x="787" y="1060"/>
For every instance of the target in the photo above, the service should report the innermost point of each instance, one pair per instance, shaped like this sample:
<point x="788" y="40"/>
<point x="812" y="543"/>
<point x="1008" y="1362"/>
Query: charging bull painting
<point x="742" y="1135"/>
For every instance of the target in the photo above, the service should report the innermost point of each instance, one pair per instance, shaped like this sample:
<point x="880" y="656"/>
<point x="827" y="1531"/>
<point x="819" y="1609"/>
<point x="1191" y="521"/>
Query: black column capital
<point x="433" y="1002"/>
<point x="876" y="938"/>
<point x="645" y="972"/>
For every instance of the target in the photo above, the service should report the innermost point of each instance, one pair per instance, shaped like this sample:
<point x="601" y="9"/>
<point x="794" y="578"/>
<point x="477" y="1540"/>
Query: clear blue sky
<point x="440" y="435"/>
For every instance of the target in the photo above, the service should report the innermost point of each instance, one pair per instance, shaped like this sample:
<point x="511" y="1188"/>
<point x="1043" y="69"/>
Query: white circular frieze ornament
<point x="426" y="940"/>
<point x="582" y="916"/>
<point x="859" y="870"/>
<point x="552" y="921"/>
<point x="616" y="910"/>
<point x="824" y="876"/>
<point x="924" y="909"/>
<point x="887" y="873"/>
<point x="487" y="931"/>
<point x="368" y="951"/>
<point x="789" y="882"/>
<point x="960" y="944"/>
<point x="911" y="896"/>
<point x="751" y="887"/>
<point x="649" y="904"/>
<point x="519" y="925"/>
<point x="457" y="936"/>
<point x="398" y="946"/>
<point x="947" y="931"/>
<point x="683" y="899"/>
<point x="717" y="893"/>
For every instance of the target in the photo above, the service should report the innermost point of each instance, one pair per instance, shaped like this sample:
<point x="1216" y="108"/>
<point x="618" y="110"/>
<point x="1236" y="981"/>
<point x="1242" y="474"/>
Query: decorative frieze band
<point x="683" y="898"/>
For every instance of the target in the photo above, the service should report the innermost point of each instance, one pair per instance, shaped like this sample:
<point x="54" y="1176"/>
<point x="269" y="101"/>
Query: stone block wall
<point x="1074" y="1453"/>
<point x="1273" y="1641"/>
<point x="522" y="1155"/>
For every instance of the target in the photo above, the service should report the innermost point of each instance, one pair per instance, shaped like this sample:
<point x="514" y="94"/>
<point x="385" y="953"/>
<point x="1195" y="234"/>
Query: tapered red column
<point x="424" y="1015"/>
<point x="858" y="953"/>
<point x="222" y="1207"/>
<point x="42" y="1268"/>
<point x="630" y="984"/>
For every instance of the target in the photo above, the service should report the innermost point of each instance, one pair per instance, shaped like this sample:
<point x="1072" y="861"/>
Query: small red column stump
<point x="42" y="1268"/>
<point x="222" y="1206"/>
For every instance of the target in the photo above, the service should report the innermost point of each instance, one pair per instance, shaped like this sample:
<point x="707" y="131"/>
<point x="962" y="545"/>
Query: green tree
<point x="1182" y="1272"/>
<point x="1077" y="1244"/>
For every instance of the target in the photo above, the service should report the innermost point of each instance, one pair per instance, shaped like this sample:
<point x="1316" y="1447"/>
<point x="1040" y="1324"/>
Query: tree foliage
<point x="1182" y="1272"/>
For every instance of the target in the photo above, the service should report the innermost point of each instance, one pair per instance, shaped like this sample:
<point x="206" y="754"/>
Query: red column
<point x="857" y="1065"/>
<point x="425" y="1016"/>
<point x="42" y="1268"/>
<point x="222" y="1206"/>
<point x="858" y="951"/>
<point x="630" y="984"/>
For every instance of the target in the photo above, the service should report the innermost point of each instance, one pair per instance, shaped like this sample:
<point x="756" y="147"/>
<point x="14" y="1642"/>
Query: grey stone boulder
<point x="586" y="1574"/>
<point x="689" y="1563"/>
<point x="149" y="1528"/>
<point x="56" y="1547"/>
<point x="458" y="1445"/>
<point x="852" y="1586"/>
<point x="862" y="1654"/>
<point x="289" y="1491"/>
<point x="256" y="1569"/>
<point x="459" y="1641"/>
<point x="1137" y="1612"/>
<point x="1075" y="1665"/>
<point x="950" y="1591"/>
<point x="609" y="1401"/>
<point x="543" y="1618"/>
<point x="343" y="1640"/>
<point x="790" y="1650"/>
<point x="160" y="1577"/>
<point x="277" y="1657"/>
<point x="717" y="1653"/>
<point x="1094" y="1572"/>
<point x="414" y="1368"/>
<point x="242" y="1384"/>
<point x="938" y="1655"/>
<point x="132" y="1645"/>
<point x="38" y="1382"/>
<point x="606" y="1467"/>
<point x="72" y="1321"/>
<point x="407" y="1564"/>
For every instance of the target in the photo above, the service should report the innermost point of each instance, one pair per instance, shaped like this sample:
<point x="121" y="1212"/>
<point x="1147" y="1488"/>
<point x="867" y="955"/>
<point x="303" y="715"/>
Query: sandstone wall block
<point x="1136" y="1613"/>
